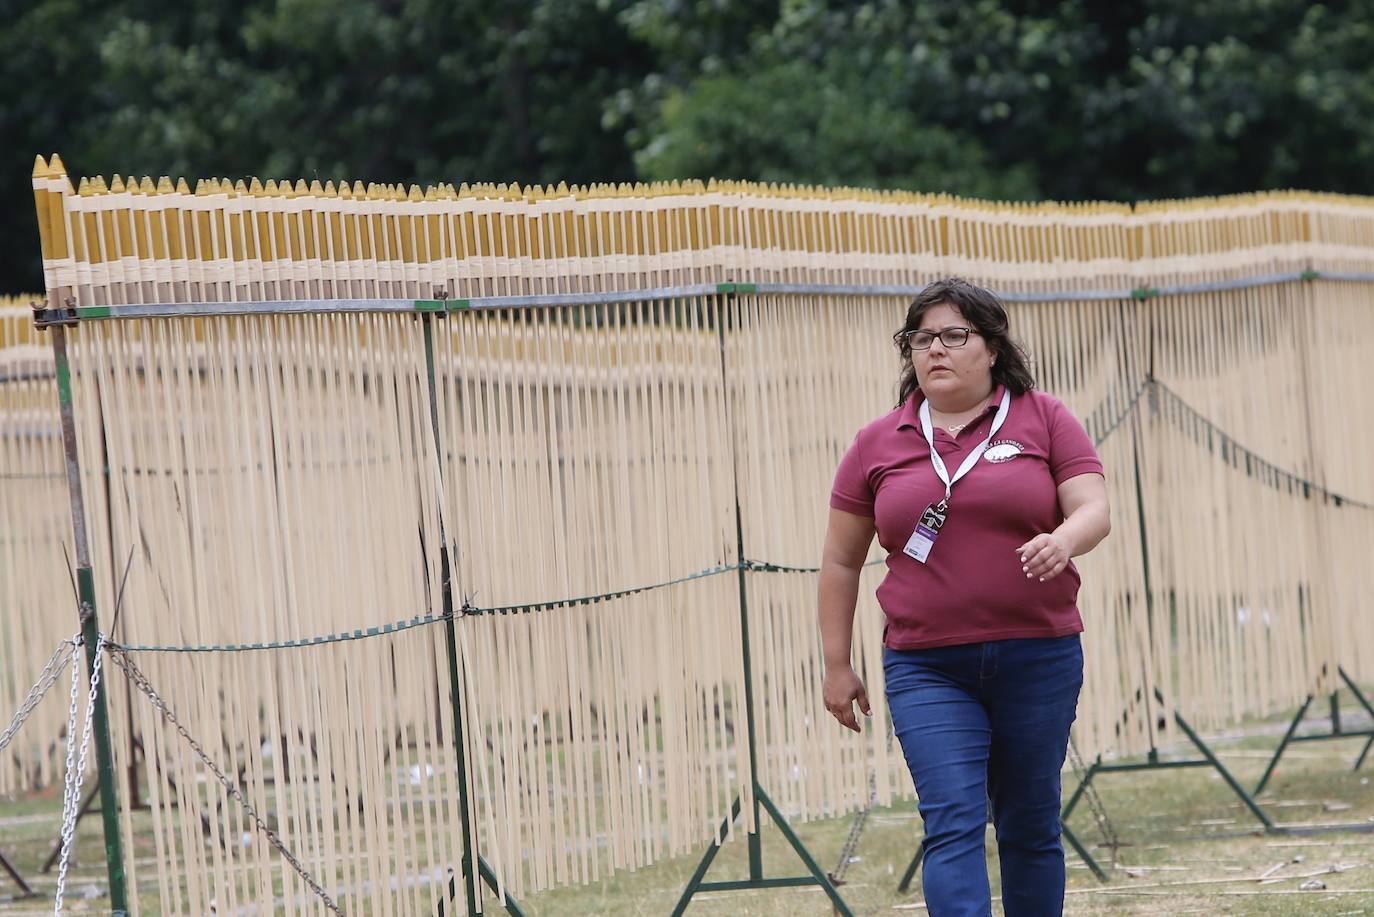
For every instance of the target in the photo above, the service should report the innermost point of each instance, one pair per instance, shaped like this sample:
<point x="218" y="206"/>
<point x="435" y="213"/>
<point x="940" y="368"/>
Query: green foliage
<point x="989" y="98"/>
<point x="783" y="124"/>
<point x="375" y="90"/>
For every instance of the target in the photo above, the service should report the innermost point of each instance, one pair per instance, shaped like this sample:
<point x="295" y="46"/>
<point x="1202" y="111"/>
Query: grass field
<point x="1189" y="847"/>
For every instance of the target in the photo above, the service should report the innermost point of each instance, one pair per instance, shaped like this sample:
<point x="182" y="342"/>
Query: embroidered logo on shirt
<point x="1003" y="450"/>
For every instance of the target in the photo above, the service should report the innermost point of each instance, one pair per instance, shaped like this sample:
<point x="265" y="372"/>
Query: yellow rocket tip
<point x="56" y="166"/>
<point x="40" y="167"/>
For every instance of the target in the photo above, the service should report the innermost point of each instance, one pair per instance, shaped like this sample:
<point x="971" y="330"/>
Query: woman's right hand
<point x="842" y="687"/>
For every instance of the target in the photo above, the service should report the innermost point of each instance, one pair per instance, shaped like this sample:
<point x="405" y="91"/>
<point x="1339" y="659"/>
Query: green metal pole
<point x="1149" y="392"/>
<point x="90" y="632"/>
<point x="1069" y="836"/>
<point x="911" y="867"/>
<point x="1078" y="793"/>
<point x="1355" y="690"/>
<point x="755" y="839"/>
<point x="1225" y="774"/>
<point x="1364" y="753"/>
<point x="451" y="643"/>
<point x="1278" y="752"/>
<point x="1150" y="619"/>
<point x="489" y="875"/>
<point x="1083" y="854"/>
<point x="697" y="877"/>
<point x="1363" y="702"/>
<point x="805" y="855"/>
<point x="756" y="879"/>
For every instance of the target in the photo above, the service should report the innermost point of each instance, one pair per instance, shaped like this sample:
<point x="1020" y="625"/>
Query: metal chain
<point x="856" y="830"/>
<point x="71" y="795"/>
<point x="69" y="775"/>
<point x="46" y="679"/>
<point x="1104" y="824"/>
<point x="120" y="658"/>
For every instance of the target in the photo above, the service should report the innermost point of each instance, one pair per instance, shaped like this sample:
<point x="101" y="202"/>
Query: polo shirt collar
<point x="911" y="407"/>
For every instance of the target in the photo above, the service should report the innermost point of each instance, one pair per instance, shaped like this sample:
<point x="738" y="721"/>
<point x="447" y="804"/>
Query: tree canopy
<point x="1012" y="99"/>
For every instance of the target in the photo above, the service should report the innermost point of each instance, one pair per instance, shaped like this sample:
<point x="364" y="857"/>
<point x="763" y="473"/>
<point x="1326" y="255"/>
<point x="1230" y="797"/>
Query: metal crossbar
<point x="442" y="304"/>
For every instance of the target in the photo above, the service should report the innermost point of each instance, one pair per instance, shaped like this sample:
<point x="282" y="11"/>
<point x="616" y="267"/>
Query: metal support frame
<point x="756" y="878"/>
<point x="90" y="631"/>
<point x="1154" y="762"/>
<point x="455" y="666"/>
<point x="24" y="890"/>
<point x="1337" y="730"/>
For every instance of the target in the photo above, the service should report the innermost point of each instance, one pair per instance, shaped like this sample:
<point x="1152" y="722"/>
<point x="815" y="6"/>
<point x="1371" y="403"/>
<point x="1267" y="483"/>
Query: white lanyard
<point x="973" y="456"/>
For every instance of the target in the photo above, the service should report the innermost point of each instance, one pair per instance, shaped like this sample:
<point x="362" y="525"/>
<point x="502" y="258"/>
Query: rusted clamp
<point x="46" y="318"/>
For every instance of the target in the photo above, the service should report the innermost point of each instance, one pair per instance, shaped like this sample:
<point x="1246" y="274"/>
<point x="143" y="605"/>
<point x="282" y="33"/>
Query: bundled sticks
<point x="299" y="406"/>
<point x="37" y="606"/>
<point x="140" y="241"/>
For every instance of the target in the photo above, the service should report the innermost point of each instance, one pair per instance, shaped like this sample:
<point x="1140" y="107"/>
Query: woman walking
<point x="980" y="489"/>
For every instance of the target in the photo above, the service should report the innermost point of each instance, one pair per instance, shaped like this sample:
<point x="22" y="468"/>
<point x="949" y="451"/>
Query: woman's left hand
<point x="1043" y="557"/>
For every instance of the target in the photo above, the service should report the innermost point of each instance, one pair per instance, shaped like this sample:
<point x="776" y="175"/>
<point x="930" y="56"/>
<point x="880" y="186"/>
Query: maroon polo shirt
<point x="971" y="588"/>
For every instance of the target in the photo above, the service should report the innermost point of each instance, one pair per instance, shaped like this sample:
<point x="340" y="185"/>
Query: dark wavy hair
<point x="985" y="314"/>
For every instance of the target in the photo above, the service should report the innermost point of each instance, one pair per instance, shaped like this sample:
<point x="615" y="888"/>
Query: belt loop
<point x="987" y="667"/>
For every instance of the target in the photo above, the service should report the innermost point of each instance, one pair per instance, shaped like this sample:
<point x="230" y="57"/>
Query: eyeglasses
<point x="954" y="336"/>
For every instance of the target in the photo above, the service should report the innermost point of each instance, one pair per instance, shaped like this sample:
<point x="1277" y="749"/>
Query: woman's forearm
<point x="839" y="593"/>
<point x="1085" y="527"/>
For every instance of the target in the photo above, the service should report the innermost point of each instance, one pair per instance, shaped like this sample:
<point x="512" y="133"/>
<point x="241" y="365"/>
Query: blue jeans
<point x="988" y="722"/>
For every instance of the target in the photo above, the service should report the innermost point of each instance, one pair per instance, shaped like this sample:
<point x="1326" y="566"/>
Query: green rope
<point x="394" y="627"/>
<point x="766" y="567"/>
<point x="467" y="610"/>
<point x="1240" y="457"/>
<point x="554" y="605"/>
<point x="1121" y="415"/>
<point x="424" y="620"/>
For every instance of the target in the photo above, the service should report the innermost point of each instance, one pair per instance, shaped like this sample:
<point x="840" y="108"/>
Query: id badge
<point x="923" y="538"/>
